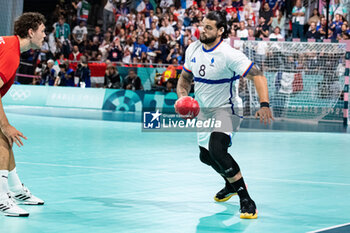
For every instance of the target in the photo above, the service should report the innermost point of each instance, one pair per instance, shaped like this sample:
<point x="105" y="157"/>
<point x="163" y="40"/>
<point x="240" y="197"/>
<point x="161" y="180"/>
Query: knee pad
<point x="218" y="145"/>
<point x="204" y="156"/>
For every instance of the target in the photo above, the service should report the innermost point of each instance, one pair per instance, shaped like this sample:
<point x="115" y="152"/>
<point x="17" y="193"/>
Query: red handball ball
<point x="187" y="107"/>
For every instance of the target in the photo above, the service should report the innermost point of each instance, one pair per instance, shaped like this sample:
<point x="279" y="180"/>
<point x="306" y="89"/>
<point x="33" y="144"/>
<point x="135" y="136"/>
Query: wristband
<point x="264" y="104"/>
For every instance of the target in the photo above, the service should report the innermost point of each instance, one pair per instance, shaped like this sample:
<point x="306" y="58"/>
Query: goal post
<point x="307" y="81"/>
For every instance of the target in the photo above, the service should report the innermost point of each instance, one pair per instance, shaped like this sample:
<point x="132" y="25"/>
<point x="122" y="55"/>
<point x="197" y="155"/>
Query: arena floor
<point x="108" y="176"/>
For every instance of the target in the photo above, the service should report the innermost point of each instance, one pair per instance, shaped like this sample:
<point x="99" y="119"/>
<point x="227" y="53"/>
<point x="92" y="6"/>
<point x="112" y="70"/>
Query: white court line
<point x="71" y="166"/>
<point x="329" y="228"/>
<point x="252" y="178"/>
<point x="298" y="181"/>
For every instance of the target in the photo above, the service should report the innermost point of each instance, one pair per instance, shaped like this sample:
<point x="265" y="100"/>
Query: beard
<point x="207" y="40"/>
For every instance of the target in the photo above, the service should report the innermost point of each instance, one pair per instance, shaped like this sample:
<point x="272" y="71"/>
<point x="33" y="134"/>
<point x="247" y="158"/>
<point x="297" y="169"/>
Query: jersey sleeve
<point x="239" y="63"/>
<point x="187" y="65"/>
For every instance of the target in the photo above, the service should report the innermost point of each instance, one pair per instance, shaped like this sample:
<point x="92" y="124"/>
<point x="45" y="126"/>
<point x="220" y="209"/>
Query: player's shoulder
<point x="9" y="44"/>
<point x="8" y="39"/>
<point x="194" y="46"/>
<point x="229" y="51"/>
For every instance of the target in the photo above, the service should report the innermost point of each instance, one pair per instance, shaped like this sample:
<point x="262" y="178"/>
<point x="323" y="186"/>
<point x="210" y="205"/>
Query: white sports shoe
<point x="25" y="197"/>
<point x="9" y="208"/>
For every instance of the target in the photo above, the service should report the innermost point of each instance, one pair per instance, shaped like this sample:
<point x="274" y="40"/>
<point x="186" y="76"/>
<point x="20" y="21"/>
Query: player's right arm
<point x="184" y="84"/>
<point x="11" y="133"/>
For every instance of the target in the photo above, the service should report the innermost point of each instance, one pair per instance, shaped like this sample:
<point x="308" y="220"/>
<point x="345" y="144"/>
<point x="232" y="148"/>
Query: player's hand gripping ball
<point x="187" y="107"/>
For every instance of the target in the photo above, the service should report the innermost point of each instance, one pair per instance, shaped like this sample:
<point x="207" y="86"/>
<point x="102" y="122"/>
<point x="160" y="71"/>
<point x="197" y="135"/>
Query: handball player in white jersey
<point x="215" y="66"/>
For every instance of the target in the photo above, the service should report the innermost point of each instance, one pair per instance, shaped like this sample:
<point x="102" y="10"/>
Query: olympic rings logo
<point x="19" y="94"/>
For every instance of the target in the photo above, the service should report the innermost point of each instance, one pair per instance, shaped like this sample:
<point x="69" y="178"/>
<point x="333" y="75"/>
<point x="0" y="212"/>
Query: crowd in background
<point x="130" y="32"/>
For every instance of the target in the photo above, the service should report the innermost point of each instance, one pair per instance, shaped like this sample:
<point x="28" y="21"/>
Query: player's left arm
<point x="260" y="83"/>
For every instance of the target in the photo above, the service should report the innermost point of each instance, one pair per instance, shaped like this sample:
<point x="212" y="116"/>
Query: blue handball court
<point x="99" y="172"/>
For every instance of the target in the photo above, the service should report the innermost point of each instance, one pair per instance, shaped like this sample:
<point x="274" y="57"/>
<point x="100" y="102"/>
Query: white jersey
<point x="215" y="72"/>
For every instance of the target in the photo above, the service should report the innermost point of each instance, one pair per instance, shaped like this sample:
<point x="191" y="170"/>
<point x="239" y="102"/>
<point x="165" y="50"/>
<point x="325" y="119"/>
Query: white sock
<point x="4" y="181"/>
<point x="14" y="181"/>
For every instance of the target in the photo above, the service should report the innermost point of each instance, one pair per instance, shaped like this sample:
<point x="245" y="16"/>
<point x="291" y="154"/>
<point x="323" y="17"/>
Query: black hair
<point x="220" y="18"/>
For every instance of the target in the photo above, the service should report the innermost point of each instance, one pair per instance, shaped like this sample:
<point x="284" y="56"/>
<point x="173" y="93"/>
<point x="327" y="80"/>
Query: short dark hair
<point x="29" y="20"/>
<point x="220" y="18"/>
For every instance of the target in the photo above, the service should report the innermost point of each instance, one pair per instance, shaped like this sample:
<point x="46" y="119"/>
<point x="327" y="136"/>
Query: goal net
<point x="305" y="80"/>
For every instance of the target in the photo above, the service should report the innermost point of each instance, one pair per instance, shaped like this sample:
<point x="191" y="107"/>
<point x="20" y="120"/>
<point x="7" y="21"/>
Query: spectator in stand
<point x="262" y="30"/>
<point x="274" y="5"/>
<point x="322" y="28"/>
<point x="61" y="79"/>
<point x="237" y="3"/>
<point x="83" y="9"/>
<point x="266" y="13"/>
<point x="63" y="36"/>
<point x="162" y="51"/>
<point x="313" y="33"/>
<point x="298" y="20"/>
<point x="97" y="34"/>
<point x="49" y="74"/>
<point x="276" y="34"/>
<point x="112" y="77"/>
<point x="151" y="18"/>
<point x="75" y="54"/>
<point x="338" y="8"/>
<point x="336" y="25"/>
<point x="250" y="33"/>
<point x="132" y="81"/>
<point x="52" y="41"/>
<point x="149" y="8"/>
<point x="203" y="7"/>
<point x="139" y="51"/>
<point x="115" y="51"/>
<point x="256" y="5"/>
<point x="45" y="53"/>
<point x="83" y="73"/>
<point x="215" y="6"/>
<point x="105" y="44"/>
<point x="234" y="20"/>
<point x="279" y="21"/>
<point x="345" y="32"/>
<point x="233" y="32"/>
<point x="250" y="24"/>
<point x="247" y="13"/>
<point x="166" y="27"/>
<point x="166" y="4"/>
<point x="229" y="8"/>
<point x="154" y="30"/>
<point x="69" y="75"/>
<point x="128" y="50"/>
<point x="80" y="35"/>
<point x="315" y="17"/>
<point x="38" y="72"/>
<point x="108" y="14"/>
<point x="242" y="32"/>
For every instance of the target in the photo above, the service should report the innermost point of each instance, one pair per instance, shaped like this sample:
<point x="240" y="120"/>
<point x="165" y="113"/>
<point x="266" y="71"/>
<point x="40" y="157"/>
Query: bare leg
<point x="12" y="163"/>
<point x="235" y="178"/>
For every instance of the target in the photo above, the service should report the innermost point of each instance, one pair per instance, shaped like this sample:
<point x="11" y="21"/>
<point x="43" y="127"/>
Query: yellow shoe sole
<point x="249" y="216"/>
<point x="224" y="199"/>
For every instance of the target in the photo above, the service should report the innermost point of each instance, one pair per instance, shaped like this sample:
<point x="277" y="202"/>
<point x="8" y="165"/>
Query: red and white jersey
<point x="9" y="61"/>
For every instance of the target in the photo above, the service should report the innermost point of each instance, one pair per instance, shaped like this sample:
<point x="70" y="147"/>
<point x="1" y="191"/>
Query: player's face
<point x="38" y="37"/>
<point x="210" y="31"/>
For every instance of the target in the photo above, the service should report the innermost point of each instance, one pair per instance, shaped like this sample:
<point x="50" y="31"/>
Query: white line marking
<point x="145" y="170"/>
<point x="298" y="181"/>
<point x="329" y="228"/>
<point x="71" y="166"/>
